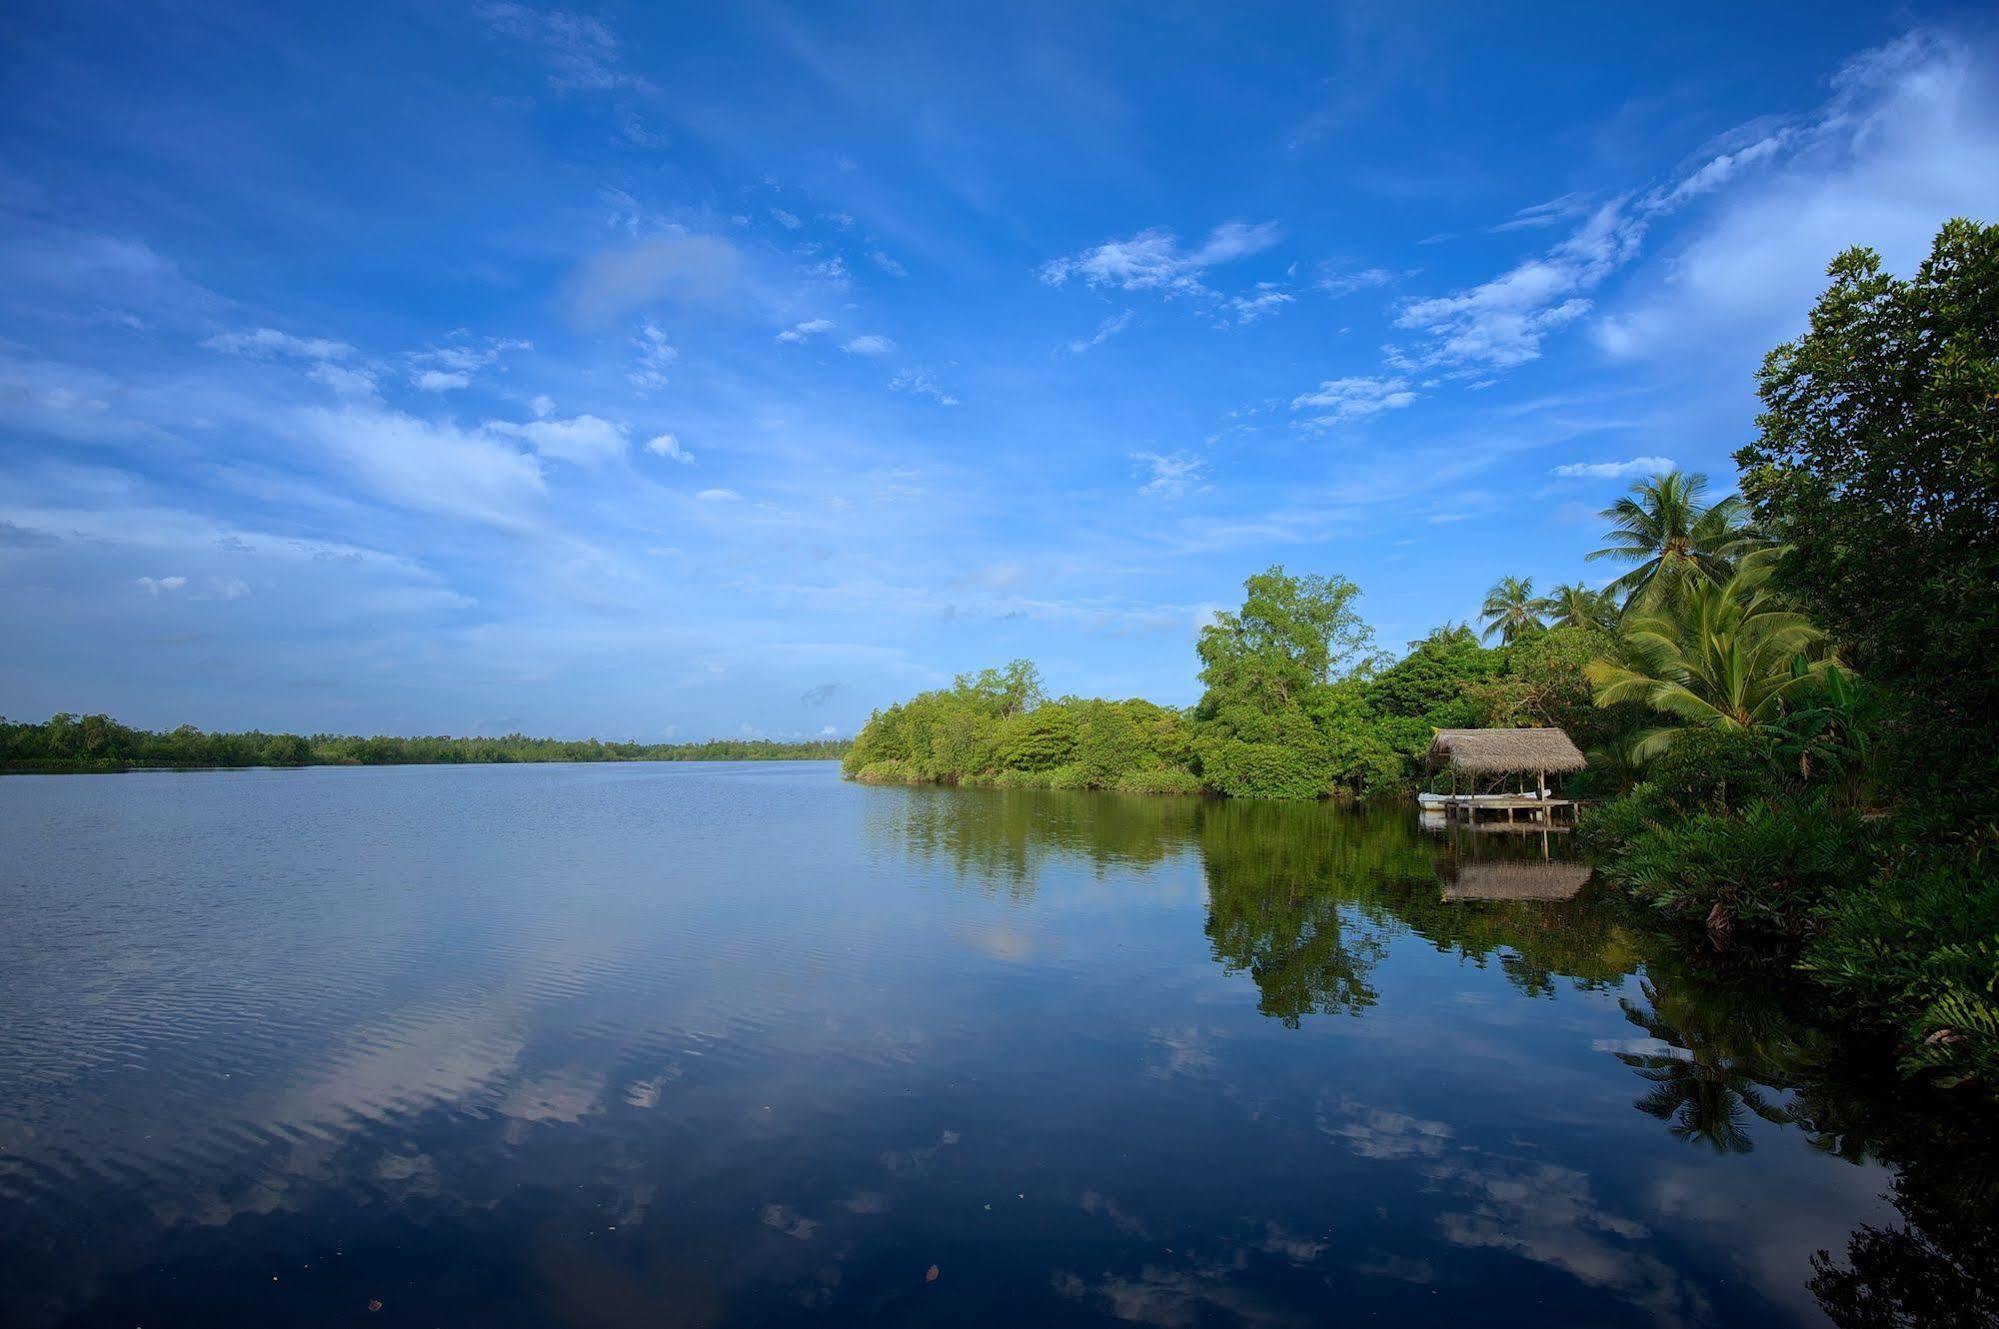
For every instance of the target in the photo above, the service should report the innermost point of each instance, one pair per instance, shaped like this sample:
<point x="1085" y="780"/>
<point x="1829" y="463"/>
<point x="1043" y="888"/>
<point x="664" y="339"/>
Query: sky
<point x="660" y="372"/>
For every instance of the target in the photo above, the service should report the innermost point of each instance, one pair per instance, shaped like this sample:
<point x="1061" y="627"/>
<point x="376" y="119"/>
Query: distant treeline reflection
<point x="1305" y="899"/>
<point x="99" y="743"/>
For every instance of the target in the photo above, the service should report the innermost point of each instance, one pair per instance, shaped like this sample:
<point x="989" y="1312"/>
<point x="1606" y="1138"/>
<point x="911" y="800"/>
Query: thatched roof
<point x="1517" y="880"/>
<point x="1495" y="751"/>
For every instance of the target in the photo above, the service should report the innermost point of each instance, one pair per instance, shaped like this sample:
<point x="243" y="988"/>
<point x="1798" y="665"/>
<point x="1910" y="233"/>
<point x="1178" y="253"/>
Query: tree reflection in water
<point x="1704" y="1085"/>
<point x="1305" y="899"/>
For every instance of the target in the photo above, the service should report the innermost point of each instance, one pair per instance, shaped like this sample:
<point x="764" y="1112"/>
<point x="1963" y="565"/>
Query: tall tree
<point x="1727" y="654"/>
<point x="1574" y="605"/>
<point x="1291" y="633"/>
<point x="1877" y="462"/>
<point x="1512" y="610"/>
<point x="1665" y="527"/>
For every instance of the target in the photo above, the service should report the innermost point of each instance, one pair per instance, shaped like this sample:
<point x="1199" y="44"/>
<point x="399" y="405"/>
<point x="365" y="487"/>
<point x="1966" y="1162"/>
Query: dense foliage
<point x="1297" y="706"/>
<point x="99" y="743"/>
<point x="1790" y="696"/>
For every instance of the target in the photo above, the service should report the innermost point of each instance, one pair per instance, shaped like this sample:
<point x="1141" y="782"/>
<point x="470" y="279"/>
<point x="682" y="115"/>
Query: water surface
<point x="744" y="1044"/>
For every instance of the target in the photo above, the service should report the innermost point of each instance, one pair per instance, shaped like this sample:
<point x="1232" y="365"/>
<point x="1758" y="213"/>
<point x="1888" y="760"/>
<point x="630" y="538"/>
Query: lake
<point x="739" y="1044"/>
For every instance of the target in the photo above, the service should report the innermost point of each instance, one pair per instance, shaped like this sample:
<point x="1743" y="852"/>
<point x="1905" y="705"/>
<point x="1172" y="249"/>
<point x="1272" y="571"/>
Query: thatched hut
<point x="1488" y="754"/>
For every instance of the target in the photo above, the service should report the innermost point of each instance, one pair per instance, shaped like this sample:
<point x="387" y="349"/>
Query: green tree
<point x="1574" y="605"/>
<point x="1291" y="633"/>
<point x="1712" y="653"/>
<point x="1513" y="610"/>
<point x="1877" y="462"/>
<point x="1665" y="527"/>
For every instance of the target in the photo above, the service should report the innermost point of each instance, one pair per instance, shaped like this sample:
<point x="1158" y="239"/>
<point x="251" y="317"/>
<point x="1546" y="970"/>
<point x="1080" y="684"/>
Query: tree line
<point x="1788" y="695"/>
<point x="98" y="743"/>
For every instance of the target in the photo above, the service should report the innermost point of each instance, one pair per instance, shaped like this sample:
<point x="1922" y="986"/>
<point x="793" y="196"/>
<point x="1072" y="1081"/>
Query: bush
<point x="1606" y="831"/>
<point x="1713" y="770"/>
<point x="1918" y="945"/>
<point x="1158" y="782"/>
<point x="1772" y="868"/>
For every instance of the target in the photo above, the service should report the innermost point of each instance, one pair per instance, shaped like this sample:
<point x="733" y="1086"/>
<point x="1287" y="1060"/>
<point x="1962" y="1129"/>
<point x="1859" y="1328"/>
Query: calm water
<point x="744" y="1044"/>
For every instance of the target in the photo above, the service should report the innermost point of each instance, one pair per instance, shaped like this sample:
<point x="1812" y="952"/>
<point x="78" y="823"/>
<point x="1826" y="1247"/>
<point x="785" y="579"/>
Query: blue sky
<point x="636" y="371"/>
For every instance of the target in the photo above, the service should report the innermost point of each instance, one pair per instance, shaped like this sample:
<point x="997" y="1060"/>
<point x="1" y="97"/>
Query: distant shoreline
<point x="98" y="745"/>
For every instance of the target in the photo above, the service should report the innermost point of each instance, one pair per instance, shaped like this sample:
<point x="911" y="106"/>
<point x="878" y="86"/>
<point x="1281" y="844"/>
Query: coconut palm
<point x="1725" y="654"/>
<point x="1666" y="529"/>
<point x="1575" y="605"/>
<point x="1512" y="609"/>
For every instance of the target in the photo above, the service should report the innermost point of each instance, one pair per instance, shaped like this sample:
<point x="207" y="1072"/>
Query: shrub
<point x="1713" y="769"/>
<point x="1918" y="945"/>
<point x="1772" y="868"/>
<point x="1158" y="782"/>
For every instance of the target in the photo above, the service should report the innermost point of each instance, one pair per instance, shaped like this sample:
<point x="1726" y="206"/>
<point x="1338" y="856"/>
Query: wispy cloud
<point x="1169" y="475"/>
<point x="654" y="355"/>
<point x="1537" y="215"/>
<point x="271" y="342"/>
<point x="919" y="383"/>
<point x="1341" y="400"/>
<point x="1614" y="470"/>
<point x="1263" y="299"/>
<point x="159" y="585"/>
<point x="584" y="440"/>
<point x="798" y="332"/>
<point x="1106" y="330"/>
<point x="1337" y="281"/>
<point x="887" y="263"/>
<point x="869" y="343"/>
<point x="719" y="496"/>
<point x="1153" y="259"/>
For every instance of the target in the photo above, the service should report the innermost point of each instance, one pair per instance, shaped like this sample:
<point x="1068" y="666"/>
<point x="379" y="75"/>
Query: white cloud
<point x="1106" y="330"/>
<point x="430" y="466"/>
<point x="666" y="445"/>
<point x="352" y="383"/>
<point x="1339" y="281"/>
<point x="1615" y="470"/>
<point x="1538" y="215"/>
<point x="649" y="371"/>
<point x="543" y="406"/>
<point x="440" y="380"/>
<point x="719" y="496"/>
<point x="788" y="220"/>
<point x="227" y="588"/>
<point x="798" y="332"/>
<point x="832" y="271"/>
<point x="1339" y="400"/>
<point x="265" y="342"/>
<point x="584" y="440"/>
<point x="155" y="585"/>
<point x="581" y="52"/>
<point x="887" y="264"/>
<point x="1910" y="137"/>
<point x="919" y="383"/>
<point x="1153" y="260"/>
<point x="1501" y="323"/>
<point x="1170" y="475"/>
<point x="1264" y="298"/>
<point x="869" y="344"/>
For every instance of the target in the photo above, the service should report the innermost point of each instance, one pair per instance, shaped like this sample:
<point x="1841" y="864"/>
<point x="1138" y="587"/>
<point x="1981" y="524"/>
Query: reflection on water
<point x="745" y="1044"/>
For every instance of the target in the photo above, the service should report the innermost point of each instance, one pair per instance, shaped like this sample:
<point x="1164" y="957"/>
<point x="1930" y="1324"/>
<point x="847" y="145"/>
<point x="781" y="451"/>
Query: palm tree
<point x="1724" y="654"/>
<point x="1575" y="605"/>
<point x="1512" y="609"/>
<point x="1663" y="526"/>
